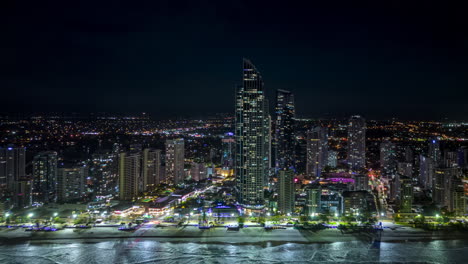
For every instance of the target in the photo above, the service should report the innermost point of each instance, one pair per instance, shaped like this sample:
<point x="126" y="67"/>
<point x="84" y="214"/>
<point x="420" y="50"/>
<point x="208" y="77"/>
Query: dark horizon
<point x="399" y="60"/>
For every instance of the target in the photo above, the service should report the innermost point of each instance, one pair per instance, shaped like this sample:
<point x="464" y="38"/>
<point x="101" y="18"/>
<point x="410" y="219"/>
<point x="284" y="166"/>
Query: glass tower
<point x="284" y="129"/>
<point x="356" y="143"/>
<point x="252" y="138"/>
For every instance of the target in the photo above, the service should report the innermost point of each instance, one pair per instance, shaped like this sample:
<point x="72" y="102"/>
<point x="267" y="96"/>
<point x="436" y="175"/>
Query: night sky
<point x="384" y="59"/>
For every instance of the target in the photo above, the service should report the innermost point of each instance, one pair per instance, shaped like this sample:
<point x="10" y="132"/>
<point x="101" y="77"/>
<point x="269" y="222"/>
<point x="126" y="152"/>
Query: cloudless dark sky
<point x="382" y="59"/>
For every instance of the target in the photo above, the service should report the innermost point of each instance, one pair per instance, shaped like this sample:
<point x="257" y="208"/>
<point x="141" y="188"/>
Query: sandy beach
<point x="222" y="235"/>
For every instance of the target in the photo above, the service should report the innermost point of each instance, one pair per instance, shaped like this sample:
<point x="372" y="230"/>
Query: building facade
<point x="175" y="161"/>
<point x="356" y="143"/>
<point x="252" y="136"/>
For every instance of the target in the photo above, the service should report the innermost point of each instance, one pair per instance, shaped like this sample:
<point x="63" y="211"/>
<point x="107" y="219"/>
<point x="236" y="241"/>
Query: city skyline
<point x="233" y="131"/>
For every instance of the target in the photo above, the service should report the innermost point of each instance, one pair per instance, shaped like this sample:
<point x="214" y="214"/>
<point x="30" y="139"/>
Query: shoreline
<point x="247" y="236"/>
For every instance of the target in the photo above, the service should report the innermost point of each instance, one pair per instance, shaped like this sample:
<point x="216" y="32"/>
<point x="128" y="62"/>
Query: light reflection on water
<point x="149" y="251"/>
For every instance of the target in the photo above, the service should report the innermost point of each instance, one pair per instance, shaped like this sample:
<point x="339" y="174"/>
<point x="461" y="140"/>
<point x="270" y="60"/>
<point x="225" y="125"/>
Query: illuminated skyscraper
<point x="130" y="182"/>
<point x="252" y="137"/>
<point x="151" y="168"/>
<point x="175" y="161"/>
<point x="104" y="172"/>
<point x="388" y="163"/>
<point x="13" y="179"/>
<point x="317" y="151"/>
<point x="356" y="143"/>
<point x="45" y="177"/>
<point x="12" y="167"/>
<point x="284" y="129"/>
<point x="406" y="194"/>
<point x="447" y="181"/>
<point x="312" y="205"/>
<point x="227" y="158"/>
<point x="286" y="192"/>
<point x="426" y="172"/>
<point x="434" y="152"/>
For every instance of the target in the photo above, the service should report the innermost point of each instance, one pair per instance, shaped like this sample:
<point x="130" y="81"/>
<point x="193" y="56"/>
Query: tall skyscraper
<point x="104" y="172"/>
<point x="13" y="179"/>
<point x="446" y="182"/>
<point x="388" y="163"/>
<point x="314" y="194"/>
<point x="286" y="194"/>
<point x="227" y="158"/>
<point x="252" y="138"/>
<point x="71" y="184"/>
<point x="356" y="143"/>
<point x="151" y="168"/>
<point x="426" y="172"/>
<point x="317" y="151"/>
<point x="45" y="177"/>
<point x="434" y="151"/>
<point x="284" y="129"/>
<point x="175" y="160"/>
<point x="406" y="194"/>
<point x="12" y="167"/>
<point x="130" y="180"/>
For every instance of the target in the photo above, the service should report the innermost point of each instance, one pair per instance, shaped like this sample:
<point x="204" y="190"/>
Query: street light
<point x="336" y="214"/>
<point x="437" y="215"/>
<point x="74" y="216"/>
<point x="30" y="215"/>
<point x="7" y="215"/>
<point x="55" y="214"/>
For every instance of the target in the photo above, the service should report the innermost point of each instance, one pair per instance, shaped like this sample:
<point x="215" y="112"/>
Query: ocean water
<point x="150" y="251"/>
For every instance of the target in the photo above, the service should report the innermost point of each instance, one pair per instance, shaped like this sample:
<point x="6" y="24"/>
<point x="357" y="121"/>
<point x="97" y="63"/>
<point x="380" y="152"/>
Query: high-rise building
<point x="104" y="171"/>
<point x="434" y="151"/>
<point x="151" y="168"/>
<point x="406" y="194"/>
<point x="71" y="185"/>
<point x="45" y="177"/>
<point x="445" y="182"/>
<point x="130" y="178"/>
<point x="286" y="194"/>
<point x="356" y="143"/>
<point x="317" y="151"/>
<point x="13" y="179"/>
<point x="12" y="167"/>
<point x="284" y="129"/>
<point x="253" y="132"/>
<point x="314" y="194"/>
<point x="175" y="161"/>
<point x="228" y="145"/>
<point x="395" y="187"/>
<point x="388" y="157"/>
<point x="332" y="160"/>
<point x="426" y="172"/>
